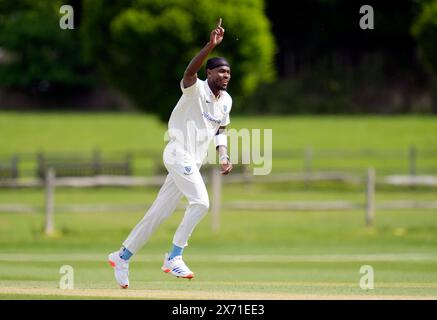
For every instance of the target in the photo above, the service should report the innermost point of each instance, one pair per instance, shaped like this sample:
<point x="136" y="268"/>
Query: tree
<point x="424" y="30"/>
<point x="142" y="47"/>
<point x="42" y="58"/>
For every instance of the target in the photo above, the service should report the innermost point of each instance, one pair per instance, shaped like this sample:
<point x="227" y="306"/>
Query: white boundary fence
<point x="216" y="182"/>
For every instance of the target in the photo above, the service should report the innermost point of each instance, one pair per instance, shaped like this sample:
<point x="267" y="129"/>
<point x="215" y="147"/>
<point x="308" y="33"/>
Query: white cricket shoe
<point x="177" y="267"/>
<point x="121" y="269"/>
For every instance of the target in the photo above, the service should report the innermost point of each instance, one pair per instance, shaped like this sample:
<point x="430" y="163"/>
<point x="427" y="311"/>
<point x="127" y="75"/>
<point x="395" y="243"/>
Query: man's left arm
<point x="221" y="142"/>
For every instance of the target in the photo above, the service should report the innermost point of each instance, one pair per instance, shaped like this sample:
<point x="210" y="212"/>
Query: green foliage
<point x="143" y="47"/>
<point x="329" y="88"/>
<point x="424" y="30"/>
<point x="41" y="56"/>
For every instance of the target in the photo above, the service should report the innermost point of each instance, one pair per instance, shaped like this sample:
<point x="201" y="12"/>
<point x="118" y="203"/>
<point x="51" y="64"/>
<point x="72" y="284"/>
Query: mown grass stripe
<point x="42" y="257"/>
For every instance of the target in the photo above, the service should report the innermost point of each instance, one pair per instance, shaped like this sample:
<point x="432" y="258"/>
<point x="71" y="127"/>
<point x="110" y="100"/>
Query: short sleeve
<point x="226" y="120"/>
<point x="192" y="90"/>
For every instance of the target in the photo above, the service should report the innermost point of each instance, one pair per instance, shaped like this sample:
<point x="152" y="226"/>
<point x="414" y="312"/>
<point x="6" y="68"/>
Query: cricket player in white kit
<point x="201" y="115"/>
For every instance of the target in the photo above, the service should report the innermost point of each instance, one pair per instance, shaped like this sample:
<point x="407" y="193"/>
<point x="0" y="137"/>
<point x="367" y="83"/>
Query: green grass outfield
<point x="112" y="131"/>
<point x="279" y="255"/>
<point x="256" y="254"/>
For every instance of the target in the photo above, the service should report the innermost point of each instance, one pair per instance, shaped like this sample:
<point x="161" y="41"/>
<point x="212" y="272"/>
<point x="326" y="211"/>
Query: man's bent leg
<point x="193" y="188"/>
<point x="189" y="181"/>
<point x="164" y="205"/>
<point x="193" y="214"/>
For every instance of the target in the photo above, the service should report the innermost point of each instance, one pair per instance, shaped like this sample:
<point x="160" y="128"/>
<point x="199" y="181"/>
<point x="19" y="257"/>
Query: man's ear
<point x="208" y="73"/>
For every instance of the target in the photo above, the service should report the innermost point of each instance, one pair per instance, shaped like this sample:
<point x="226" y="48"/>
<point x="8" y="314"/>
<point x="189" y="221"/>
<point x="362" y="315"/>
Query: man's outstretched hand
<point x="217" y="34"/>
<point x="226" y="166"/>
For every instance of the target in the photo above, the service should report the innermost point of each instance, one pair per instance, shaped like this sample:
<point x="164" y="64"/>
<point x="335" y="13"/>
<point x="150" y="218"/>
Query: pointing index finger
<point x="219" y="24"/>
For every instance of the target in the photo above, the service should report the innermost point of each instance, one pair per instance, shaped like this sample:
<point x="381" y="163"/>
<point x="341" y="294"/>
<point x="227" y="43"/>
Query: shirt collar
<point x="211" y="94"/>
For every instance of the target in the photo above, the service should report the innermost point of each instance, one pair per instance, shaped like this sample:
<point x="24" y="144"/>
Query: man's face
<point x="220" y="77"/>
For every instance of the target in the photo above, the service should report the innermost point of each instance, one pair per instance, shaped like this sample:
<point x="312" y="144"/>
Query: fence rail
<point x="32" y="170"/>
<point x="51" y="182"/>
<point x="143" y="162"/>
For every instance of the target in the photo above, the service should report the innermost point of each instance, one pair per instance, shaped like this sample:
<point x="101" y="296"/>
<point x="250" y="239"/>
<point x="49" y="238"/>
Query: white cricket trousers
<point x="183" y="179"/>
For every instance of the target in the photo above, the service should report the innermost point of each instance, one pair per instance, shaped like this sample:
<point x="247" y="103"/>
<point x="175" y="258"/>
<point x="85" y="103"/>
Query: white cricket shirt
<point x="196" y="118"/>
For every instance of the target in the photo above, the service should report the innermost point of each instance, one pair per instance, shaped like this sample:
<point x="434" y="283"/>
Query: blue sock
<point x="175" y="251"/>
<point x="125" y="254"/>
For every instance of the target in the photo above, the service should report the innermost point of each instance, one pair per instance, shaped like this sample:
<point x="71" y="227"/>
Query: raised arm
<point x="216" y="37"/>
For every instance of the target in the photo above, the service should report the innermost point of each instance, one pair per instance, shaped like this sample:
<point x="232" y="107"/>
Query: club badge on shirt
<point x="188" y="170"/>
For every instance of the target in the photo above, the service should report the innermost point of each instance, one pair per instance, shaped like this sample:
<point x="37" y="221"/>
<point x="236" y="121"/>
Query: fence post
<point x="412" y="157"/>
<point x="97" y="162"/>
<point x="14" y="169"/>
<point x="247" y="177"/>
<point x="40" y="159"/>
<point x="370" y="197"/>
<point x="216" y="186"/>
<point x="49" y="227"/>
<point x="128" y="166"/>
<point x="308" y="159"/>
